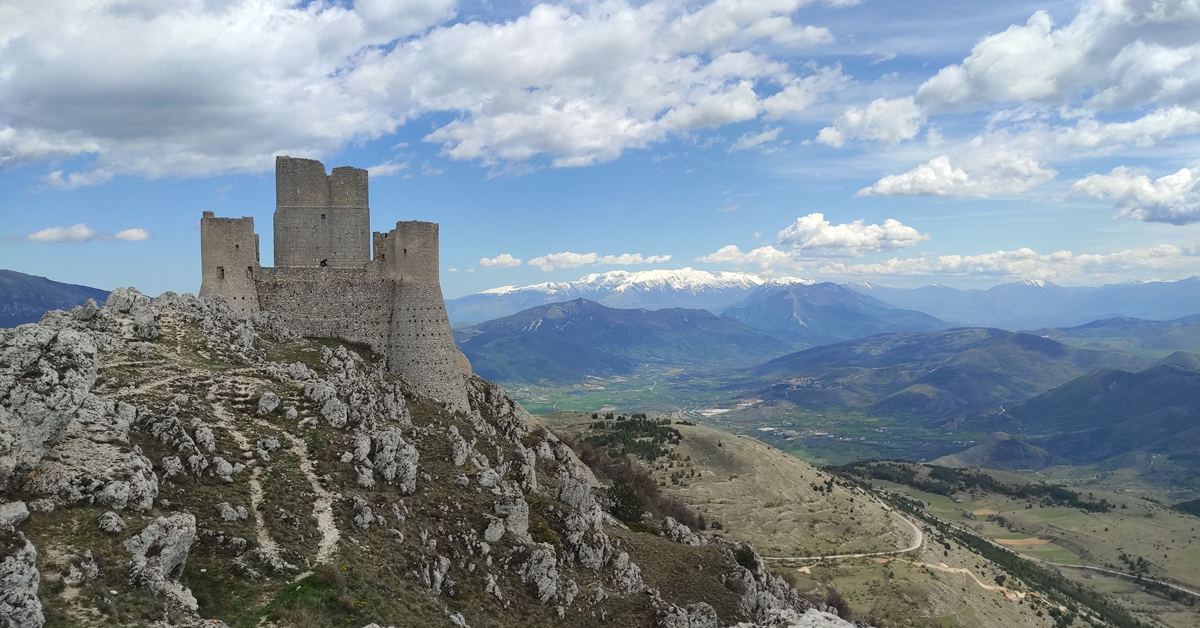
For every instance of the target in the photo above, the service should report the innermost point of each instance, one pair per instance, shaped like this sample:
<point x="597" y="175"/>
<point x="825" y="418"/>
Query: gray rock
<point x="46" y="374"/>
<point x="12" y="514"/>
<point x="158" y="554"/>
<point x="459" y="448"/>
<point x="143" y="319"/>
<point x="434" y="574"/>
<point x="221" y="468"/>
<point x="90" y="461"/>
<point x="488" y="478"/>
<point x="680" y="533"/>
<point x="334" y="412"/>
<point x="290" y="413"/>
<point x="229" y="513"/>
<point x="41" y="505"/>
<point x="86" y="312"/>
<point x="268" y="402"/>
<point x="268" y="445"/>
<point x="204" y="438"/>
<point x="122" y="299"/>
<point x="540" y="571"/>
<point x="111" y="523"/>
<point x="515" y="510"/>
<point x="494" y="531"/>
<point x="363" y="517"/>
<point x="491" y="588"/>
<point x="698" y="615"/>
<point x="171" y="467"/>
<point x="396" y="461"/>
<point x="19" y="579"/>
<point x="627" y="575"/>
<point x="575" y="491"/>
<point x="366" y="476"/>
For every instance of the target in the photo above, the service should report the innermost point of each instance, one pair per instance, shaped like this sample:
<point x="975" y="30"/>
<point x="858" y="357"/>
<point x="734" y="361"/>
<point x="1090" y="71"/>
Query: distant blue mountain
<point x="1036" y="304"/>
<point x="24" y="298"/>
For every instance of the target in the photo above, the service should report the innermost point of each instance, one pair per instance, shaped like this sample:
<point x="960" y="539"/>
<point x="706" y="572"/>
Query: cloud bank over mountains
<point x="183" y="88"/>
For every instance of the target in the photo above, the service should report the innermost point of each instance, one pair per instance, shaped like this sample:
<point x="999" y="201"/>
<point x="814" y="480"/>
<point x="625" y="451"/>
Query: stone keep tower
<point x="318" y="218"/>
<point x="325" y="282"/>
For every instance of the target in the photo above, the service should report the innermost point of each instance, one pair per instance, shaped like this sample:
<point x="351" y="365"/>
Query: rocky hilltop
<point x="165" y="463"/>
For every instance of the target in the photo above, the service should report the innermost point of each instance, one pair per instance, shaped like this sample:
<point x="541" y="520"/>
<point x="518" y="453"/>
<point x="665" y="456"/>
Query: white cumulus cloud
<point x="1173" y="199"/>
<point x="83" y="233"/>
<point x="575" y="260"/>
<point x="132" y="235"/>
<point x="1001" y="173"/>
<point x="1114" y="53"/>
<point x="503" y="260"/>
<point x="815" y="232"/>
<point x="813" y="235"/>
<point x="887" y="121"/>
<point x="202" y="88"/>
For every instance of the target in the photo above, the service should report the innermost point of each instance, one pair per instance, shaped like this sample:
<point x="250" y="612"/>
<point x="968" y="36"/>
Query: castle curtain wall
<point x="353" y="304"/>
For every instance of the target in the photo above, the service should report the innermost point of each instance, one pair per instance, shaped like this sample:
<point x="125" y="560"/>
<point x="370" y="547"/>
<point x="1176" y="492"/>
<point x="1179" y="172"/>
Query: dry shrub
<point x="301" y="617"/>
<point x="644" y="486"/>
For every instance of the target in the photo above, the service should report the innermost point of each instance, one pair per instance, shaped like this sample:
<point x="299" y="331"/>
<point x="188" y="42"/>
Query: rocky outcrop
<point x="19" y="576"/>
<point x="698" y="615"/>
<point x="46" y="374"/>
<point x="680" y="533"/>
<point x="158" y="554"/>
<point x="540" y="572"/>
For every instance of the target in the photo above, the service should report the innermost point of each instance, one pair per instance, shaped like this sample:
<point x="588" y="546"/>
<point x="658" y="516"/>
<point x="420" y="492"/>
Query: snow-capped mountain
<point x="650" y="289"/>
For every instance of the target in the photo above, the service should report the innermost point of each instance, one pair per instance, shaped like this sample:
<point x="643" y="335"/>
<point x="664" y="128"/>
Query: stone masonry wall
<point x="320" y="218"/>
<point x="229" y="261"/>
<point x="353" y="304"/>
<point x="421" y="346"/>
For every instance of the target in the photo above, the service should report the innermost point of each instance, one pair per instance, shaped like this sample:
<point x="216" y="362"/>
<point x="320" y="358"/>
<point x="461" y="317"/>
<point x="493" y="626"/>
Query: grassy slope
<point x="371" y="577"/>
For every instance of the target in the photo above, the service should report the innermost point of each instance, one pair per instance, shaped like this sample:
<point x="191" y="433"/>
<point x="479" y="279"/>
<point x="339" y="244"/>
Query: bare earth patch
<point x="1021" y="541"/>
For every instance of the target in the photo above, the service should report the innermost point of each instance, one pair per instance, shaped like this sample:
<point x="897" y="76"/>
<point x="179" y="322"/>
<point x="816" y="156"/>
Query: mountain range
<point x="566" y="342"/>
<point x="1034" y="304"/>
<point x="24" y="298"/>
<point x="825" y="313"/>
<point x="650" y="289"/>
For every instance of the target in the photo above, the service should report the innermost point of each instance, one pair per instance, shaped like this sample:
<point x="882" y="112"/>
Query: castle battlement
<point x="327" y="283"/>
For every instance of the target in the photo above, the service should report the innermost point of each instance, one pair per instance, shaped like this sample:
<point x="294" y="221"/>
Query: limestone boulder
<point x="158" y="555"/>
<point x="19" y="579"/>
<point x="540" y="571"/>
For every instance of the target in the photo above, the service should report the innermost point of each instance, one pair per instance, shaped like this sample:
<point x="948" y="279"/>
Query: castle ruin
<point x="327" y="283"/>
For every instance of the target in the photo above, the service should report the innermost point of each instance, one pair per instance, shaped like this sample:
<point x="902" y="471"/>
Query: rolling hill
<point x="825" y="313"/>
<point x="1111" y="412"/>
<point x="24" y="298"/>
<point x="1181" y="334"/>
<point x="566" y="342"/>
<point x="937" y="374"/>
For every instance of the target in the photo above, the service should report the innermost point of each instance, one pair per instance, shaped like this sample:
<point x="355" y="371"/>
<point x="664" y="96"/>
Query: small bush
<point x="745" y="557"/>
<point x="834" y="599"/>
<point x="543" y="533"/>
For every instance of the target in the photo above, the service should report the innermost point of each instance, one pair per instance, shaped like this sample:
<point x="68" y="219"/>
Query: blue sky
<point x="967" y="144"/>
